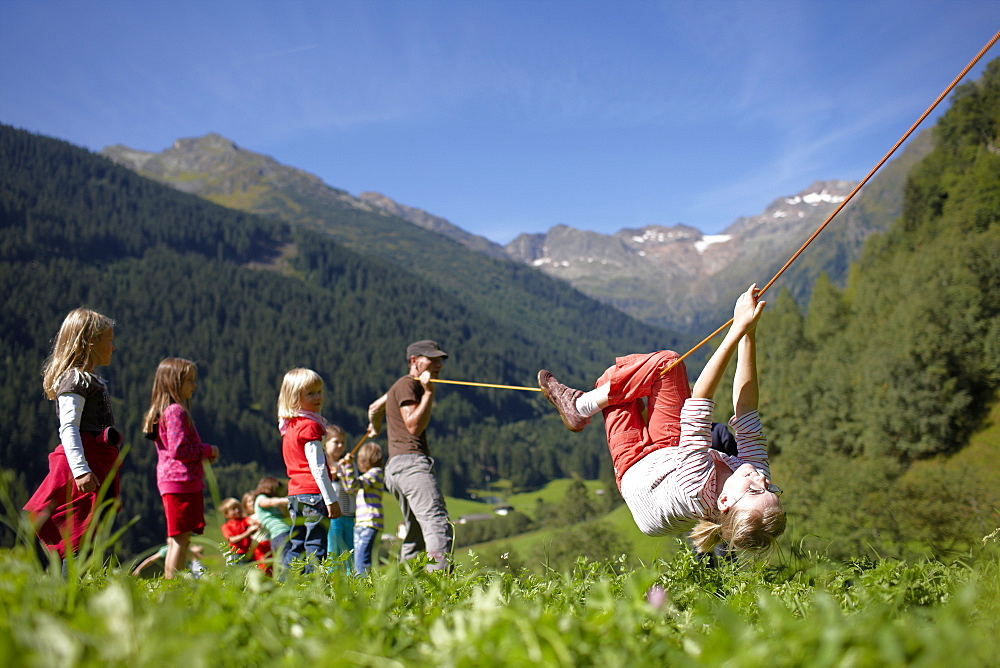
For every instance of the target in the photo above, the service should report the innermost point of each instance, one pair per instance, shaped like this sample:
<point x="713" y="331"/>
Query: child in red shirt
<point x="239" y="531"/>
<point x="312" y="498"/>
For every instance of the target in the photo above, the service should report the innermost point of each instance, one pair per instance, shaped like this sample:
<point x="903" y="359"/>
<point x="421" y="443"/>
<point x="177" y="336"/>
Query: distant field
<point x="644" y="548"/>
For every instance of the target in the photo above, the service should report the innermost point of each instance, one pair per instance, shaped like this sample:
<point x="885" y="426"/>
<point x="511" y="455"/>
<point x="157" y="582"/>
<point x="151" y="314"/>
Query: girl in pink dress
<point x="180" y="472"/>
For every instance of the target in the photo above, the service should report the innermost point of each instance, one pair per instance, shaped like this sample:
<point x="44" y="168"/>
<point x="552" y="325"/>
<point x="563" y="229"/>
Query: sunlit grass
<point x="675" y="612"/>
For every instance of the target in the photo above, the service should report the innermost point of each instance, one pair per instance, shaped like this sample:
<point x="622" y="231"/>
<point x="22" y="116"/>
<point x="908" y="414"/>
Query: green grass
<point x="553" y="493"/>
<point x="801" y="609"/>
<point x="806" y="611"/>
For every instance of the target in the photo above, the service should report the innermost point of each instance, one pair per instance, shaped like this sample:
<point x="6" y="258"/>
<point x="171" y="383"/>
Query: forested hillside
<point x="872" y="393"/>
<point x="217" y="169"/>
<point x="248" y="298"/>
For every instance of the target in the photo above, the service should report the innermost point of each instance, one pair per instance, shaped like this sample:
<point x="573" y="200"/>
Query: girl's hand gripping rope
<point x="747" y="311"/>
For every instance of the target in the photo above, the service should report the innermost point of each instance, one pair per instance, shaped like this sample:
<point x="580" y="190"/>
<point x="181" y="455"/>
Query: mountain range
<point x="674" y="277"/>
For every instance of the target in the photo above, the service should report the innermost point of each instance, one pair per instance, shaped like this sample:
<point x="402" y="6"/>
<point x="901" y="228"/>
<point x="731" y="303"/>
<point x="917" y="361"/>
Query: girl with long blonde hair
<point x="312" y="497"/>
<point x="63" y="506"/>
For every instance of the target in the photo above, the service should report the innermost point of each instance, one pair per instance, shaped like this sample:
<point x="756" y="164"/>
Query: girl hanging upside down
<point x="669" y="476"/>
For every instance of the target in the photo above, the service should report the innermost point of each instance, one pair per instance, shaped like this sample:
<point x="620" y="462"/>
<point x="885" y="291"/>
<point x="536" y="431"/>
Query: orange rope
<point x="363" y="439"/>
<point x="502" y="387"/>
<point x="881" y="162"/>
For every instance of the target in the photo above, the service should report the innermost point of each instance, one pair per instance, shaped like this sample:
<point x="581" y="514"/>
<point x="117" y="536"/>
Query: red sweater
<point x="299" y="432"/>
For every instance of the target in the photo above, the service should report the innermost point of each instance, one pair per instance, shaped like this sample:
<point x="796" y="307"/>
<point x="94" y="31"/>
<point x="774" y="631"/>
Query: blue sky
<point x="504" y="116"/>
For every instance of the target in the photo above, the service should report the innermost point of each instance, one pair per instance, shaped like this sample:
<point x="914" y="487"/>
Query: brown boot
<point x="564" y="399"/>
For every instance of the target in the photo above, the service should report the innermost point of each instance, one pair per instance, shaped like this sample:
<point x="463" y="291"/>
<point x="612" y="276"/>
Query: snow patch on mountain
<point x="659" y="235"/>
<point x="814" y="199"/>
<point x="709" y="240"/>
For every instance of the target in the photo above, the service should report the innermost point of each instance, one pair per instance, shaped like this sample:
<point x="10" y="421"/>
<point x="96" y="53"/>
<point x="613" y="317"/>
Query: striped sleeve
<point x="751" y="444"/>
<point x="369" y="510"/>
<point x="695" y="465"/>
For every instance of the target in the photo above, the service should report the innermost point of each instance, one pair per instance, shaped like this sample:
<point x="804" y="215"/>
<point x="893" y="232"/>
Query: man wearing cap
<point x="409" y="474"/>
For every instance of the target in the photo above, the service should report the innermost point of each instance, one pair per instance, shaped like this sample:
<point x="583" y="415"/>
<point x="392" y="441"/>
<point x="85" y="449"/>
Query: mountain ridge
<point x="674" y="277"/>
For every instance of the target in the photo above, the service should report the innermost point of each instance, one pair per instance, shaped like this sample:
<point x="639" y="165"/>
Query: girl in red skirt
<point x="180" y="474"/>
<point x="63" y="506"/>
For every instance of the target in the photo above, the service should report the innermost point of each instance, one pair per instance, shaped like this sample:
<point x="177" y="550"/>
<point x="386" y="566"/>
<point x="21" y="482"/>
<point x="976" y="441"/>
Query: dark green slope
<point x="215" y="168"/>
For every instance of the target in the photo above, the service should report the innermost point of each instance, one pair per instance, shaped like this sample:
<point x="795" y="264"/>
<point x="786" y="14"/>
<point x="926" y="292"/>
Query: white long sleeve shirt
<point x="69" y="407"/>
<point x="672" y="489"/>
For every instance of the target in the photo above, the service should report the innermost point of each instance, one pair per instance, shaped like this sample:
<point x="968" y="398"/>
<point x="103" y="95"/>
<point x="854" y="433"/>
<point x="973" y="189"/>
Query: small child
<point x="239" y="531"/>
<point x="63" y="506"/>
<point x="270" y="508"/>
<point x="312" y="499"/>
<point x="668" y="474"/>
<point x="369" y="487"/>
<point x="340" y="539"/>
<point x="262" y="553"/>
<point x="180" y="472"/>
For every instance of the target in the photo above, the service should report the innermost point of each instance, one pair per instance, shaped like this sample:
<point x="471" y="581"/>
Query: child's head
<point x="334" y="443"/>
<point x="173" y="383"/>
<point x="173" y="379"/>
<point x="248" y="499"/>
<point x="299" y="390"/>
<point x="369" y="456"/>
<point x="85" y="340"/>
<point x="753" y="529"/>
<point x="750" y="514"/>
<point x="268" y="486"/>
<point x="230" y="508"/>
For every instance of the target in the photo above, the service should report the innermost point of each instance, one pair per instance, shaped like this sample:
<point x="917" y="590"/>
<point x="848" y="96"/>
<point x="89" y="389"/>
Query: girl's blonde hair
<point x="369" y="456"/>
<point x="73" y="346"/>
<point x="744" y="529"/>
<point x="170" y="375"/>
<point x="293" y="385"/>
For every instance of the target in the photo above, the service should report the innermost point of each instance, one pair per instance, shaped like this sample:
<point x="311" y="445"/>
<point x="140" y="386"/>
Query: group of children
<point x="83" y="469"/>
<point x="658" y="430"/>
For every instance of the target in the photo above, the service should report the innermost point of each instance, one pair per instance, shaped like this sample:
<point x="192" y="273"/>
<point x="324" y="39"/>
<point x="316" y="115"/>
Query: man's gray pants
<point x="410" y="478"/>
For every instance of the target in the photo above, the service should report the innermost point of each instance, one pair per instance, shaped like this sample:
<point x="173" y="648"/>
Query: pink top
<point x="179" y="452"/>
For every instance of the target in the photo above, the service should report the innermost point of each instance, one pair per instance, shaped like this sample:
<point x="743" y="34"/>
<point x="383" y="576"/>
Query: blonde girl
<point x="63" y="506"/>
<point x="180" y="453"/>
<point x="312" y="499"/>
<point x="659" y="436"/>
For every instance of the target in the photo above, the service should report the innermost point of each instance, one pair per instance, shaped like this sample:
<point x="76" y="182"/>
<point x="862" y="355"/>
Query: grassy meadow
<point x="805" y="611"/>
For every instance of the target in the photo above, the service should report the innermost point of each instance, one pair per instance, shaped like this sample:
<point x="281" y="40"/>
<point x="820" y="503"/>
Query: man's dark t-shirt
<point x="406" y="390"/>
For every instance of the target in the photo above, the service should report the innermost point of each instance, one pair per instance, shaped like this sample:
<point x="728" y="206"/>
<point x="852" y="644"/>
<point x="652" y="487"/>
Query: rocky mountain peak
<point x="433" y="223"/>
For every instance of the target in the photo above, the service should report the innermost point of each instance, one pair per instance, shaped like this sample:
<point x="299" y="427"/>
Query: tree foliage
<point x="902" y="366"/>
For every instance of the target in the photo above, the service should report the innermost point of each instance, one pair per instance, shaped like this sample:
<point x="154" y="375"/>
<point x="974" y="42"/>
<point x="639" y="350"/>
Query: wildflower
<point x="656" y="596"/>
